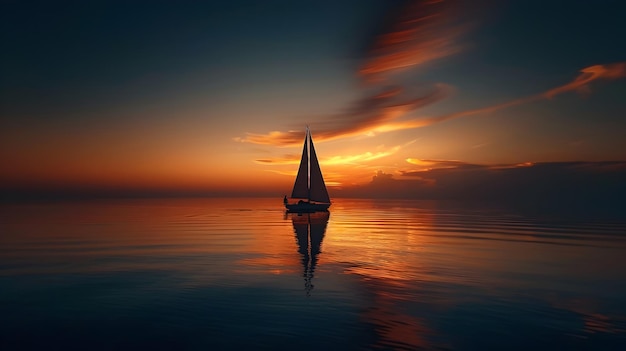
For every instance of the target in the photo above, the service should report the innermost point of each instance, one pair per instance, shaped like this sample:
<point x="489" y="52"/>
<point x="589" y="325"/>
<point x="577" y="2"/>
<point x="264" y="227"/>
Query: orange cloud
<point x="423" y="31"/>
<point x="379" y="114"/>
<point x="580" y="84"/>
<point x="339" y="159"/>
<point x="420" y="31"/>
<point x="589" y="74"/>
<point x="364" y="157"/>
<point x="364" y="117"/>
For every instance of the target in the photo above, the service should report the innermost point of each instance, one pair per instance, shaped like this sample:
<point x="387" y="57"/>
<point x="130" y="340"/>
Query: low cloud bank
<point x="560" y="187"/>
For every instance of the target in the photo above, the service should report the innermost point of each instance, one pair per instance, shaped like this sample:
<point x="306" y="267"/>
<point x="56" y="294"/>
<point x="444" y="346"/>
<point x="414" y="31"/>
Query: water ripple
<point x="211" y="273"/>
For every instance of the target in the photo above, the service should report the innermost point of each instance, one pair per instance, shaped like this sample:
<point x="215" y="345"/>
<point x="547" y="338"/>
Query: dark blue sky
<point x="89" y="88"/>
<point x="62" y="53"/>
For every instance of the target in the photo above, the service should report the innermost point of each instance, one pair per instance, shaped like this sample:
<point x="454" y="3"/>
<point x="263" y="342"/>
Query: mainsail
<point x="301" y="186"/>
<point x="309" y="181"/>
<point x="318" y="188"/>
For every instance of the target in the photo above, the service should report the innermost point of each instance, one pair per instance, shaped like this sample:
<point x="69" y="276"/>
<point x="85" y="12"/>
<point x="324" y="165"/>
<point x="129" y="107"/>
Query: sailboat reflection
<point x="309" y="230"/>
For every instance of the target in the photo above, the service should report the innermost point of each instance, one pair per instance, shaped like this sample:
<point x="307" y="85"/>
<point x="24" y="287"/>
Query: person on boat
<point x="285" y="200"/>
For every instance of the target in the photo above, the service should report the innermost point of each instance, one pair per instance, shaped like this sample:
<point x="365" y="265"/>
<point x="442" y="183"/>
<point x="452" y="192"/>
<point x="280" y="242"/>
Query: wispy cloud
<point x="439" y="163"/>
<point x="286" y="173"/>
<point x="421" y="32"/>
<point x="362" y="118"/>
<point x="338" y="159"/>
<point x="381" y="113"/>
<point x="285" y="160"/>
<point x="589" y="74"/>
<point x="364" y="157"/>
<point x="580" y="84"/>
<point x="427" y="165"/>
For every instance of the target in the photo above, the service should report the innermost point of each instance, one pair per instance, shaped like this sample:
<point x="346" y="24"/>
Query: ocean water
<point x="221" y="274"/>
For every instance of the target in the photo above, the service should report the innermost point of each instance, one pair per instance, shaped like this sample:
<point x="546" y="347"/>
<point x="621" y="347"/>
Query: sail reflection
<point x="309" y="230"/>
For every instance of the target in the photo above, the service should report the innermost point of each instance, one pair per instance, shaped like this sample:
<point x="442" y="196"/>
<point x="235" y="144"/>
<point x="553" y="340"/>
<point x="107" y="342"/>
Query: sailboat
<point x="309" y="188"/>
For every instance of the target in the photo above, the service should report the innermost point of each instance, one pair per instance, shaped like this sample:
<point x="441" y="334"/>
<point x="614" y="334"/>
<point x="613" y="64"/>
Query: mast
<point x="309" y="182"/>
<point x="301" y="185"/>
<point x="307" y="138"/>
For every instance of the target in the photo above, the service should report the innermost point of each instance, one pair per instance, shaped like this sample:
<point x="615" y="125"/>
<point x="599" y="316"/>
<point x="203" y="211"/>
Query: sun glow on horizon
<point x="229" y="115"/>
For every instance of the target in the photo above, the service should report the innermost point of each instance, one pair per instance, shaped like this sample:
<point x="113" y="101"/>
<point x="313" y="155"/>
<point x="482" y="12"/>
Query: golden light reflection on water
<point x="396" y="250"/>
<point x="406" y="265"/>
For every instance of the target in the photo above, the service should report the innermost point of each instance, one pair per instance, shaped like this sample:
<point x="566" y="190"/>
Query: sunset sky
<point x="215" y="95"/>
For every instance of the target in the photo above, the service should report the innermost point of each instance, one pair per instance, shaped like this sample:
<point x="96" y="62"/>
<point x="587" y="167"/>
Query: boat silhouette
<point x="309" y="188"/>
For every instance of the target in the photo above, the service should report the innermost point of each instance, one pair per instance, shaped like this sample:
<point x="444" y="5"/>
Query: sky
<point x="213" y="97"/>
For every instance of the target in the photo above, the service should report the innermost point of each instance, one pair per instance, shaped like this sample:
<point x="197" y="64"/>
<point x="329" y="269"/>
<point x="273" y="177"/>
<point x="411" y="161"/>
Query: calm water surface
<point x="240" y="273"/>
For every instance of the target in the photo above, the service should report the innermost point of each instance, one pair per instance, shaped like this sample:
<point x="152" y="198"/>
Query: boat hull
<point x="307" y="207"/>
